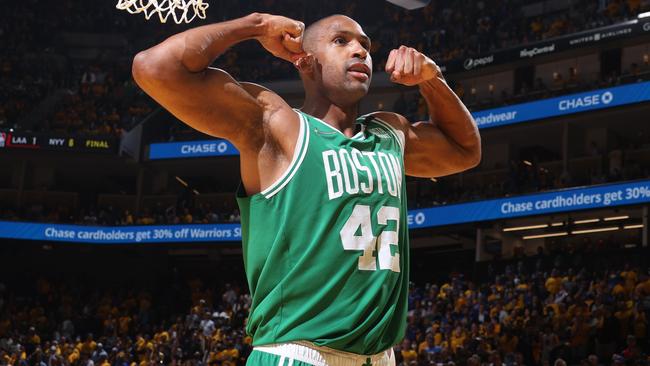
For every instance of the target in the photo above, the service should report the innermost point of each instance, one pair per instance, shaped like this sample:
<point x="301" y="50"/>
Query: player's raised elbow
<point x="470" y="149"/>
<point x="471" y="157"/>
<point x="155" y="66"/>
<point x="144" y="68"/>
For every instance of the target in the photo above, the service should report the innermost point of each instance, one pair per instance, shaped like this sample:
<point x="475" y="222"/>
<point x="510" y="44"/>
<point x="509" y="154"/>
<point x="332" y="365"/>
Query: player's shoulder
<point x="280" y="122"/>
<point x="264" y="94"/>
<point x="275" y="107"/>
<point x="394" y="120"/>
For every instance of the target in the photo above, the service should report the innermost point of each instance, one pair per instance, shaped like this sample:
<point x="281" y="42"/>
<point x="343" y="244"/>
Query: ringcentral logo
<point x="471" y="63"/>
<point x="536" y="51"/>
<point x="586" y="101"/>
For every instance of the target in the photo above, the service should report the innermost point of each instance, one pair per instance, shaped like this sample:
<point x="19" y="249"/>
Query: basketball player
<point x="323" y="195"/>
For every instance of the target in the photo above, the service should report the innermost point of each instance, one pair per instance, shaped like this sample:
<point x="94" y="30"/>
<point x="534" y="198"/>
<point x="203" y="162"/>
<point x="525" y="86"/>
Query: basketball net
<point x="181" y="11"/>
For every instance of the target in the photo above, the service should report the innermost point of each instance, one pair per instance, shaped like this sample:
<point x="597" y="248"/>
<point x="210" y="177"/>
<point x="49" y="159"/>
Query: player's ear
<point x="305" y="64"/>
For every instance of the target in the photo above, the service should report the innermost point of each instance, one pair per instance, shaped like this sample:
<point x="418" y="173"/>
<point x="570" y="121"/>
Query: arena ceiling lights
<point x="586" y="221"/>
<point x="585" y="231"/>
<point x="577" y="226"/>
<point x="627" y="227"/>
<point x="575" y="222"/>
<point x="562" y="233"/>
<point x="596" y="230"/>
<point x="518" y="228"/>
<point x="613" y="218"/>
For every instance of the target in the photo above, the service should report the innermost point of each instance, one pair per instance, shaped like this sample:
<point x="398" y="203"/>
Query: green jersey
<point x="326" y="246"/>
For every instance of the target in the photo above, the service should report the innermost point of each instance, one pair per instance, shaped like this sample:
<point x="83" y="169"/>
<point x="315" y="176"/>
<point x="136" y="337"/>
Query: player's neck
<point x="341" y="118"/>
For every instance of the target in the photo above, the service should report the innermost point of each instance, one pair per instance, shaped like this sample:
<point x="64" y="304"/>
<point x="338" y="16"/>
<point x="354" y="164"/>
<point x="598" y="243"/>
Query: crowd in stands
<point x="87" y="94"/>
<point x="535" y="175"/>
<point x="567" y="305"/>
<point x="74" y="323"/>
<point x="93" y="93"/>
<point x="542" y="172"/>
<point x="103" y="102"/>
<point x="445" y="30"/>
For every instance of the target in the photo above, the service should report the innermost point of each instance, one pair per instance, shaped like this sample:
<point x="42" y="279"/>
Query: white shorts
<point x="323" y="356"/>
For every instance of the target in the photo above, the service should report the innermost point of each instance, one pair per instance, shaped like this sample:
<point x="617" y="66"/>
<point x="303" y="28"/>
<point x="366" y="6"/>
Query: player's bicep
<point x="210" y="101"/>
<point x="430" y="153"/>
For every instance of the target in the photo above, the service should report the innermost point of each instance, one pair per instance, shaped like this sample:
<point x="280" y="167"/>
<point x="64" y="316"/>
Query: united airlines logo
<point x="597" y="37"/>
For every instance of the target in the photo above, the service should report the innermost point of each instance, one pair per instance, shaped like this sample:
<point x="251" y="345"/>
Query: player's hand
<point x="282" y="37"/>
<point x="407" y="66"/>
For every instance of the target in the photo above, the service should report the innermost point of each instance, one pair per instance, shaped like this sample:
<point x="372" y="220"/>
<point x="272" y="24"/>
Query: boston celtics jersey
<point x="326" y="246"/>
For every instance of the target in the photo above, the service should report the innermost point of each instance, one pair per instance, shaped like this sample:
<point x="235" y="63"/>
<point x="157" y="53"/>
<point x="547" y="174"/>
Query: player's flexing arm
<point x="258" y="122"/>
<point x="449" y="142"/>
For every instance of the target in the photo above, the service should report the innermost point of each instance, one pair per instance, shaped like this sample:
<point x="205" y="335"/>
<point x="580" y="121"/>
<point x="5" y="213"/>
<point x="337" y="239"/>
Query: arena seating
<point x="89" y="90"/>
<point x="543" y="173"/>
<point x="526" y="311"/>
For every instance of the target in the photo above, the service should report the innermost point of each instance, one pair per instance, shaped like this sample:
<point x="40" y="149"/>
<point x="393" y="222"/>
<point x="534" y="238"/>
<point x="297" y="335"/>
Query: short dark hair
<point x="313" y="31"/>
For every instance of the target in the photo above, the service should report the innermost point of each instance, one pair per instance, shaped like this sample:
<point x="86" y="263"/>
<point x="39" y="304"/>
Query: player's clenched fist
<point x="407" y="66"/>
<point x="282" y="37"/>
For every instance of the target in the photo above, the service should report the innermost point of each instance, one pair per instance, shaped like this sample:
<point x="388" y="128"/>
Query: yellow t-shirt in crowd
<point x="228" y="356"/>
<point x="409" y="355"/>
<point x="553" y="285"/>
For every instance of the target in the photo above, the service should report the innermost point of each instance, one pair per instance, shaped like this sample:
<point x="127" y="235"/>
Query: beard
<point x="343" y="89"/>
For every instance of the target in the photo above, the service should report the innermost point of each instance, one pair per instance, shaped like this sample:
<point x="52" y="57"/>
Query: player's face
<point x="344" y="62"/>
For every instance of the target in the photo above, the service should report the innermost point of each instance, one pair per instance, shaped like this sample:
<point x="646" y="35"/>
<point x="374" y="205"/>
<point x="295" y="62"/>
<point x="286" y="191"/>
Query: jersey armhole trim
<point x="299" y="152"/>
<point x="397" y="134"/>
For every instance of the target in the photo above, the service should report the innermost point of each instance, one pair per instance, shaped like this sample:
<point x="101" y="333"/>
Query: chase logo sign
<point x="416" y="218"/>
<point x="531" y="111"/>
<point x="574" y="103"/>
<point x="205" y="148"/>
<point x="592" y="100"/>
<point x="191" y="149"/>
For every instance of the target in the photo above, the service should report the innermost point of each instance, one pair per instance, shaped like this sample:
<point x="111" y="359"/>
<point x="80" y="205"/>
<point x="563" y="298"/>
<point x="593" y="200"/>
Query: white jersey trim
<point x="359" y="135"/>
<point x="299" y="152"/>
<point x="397" y="134"/>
